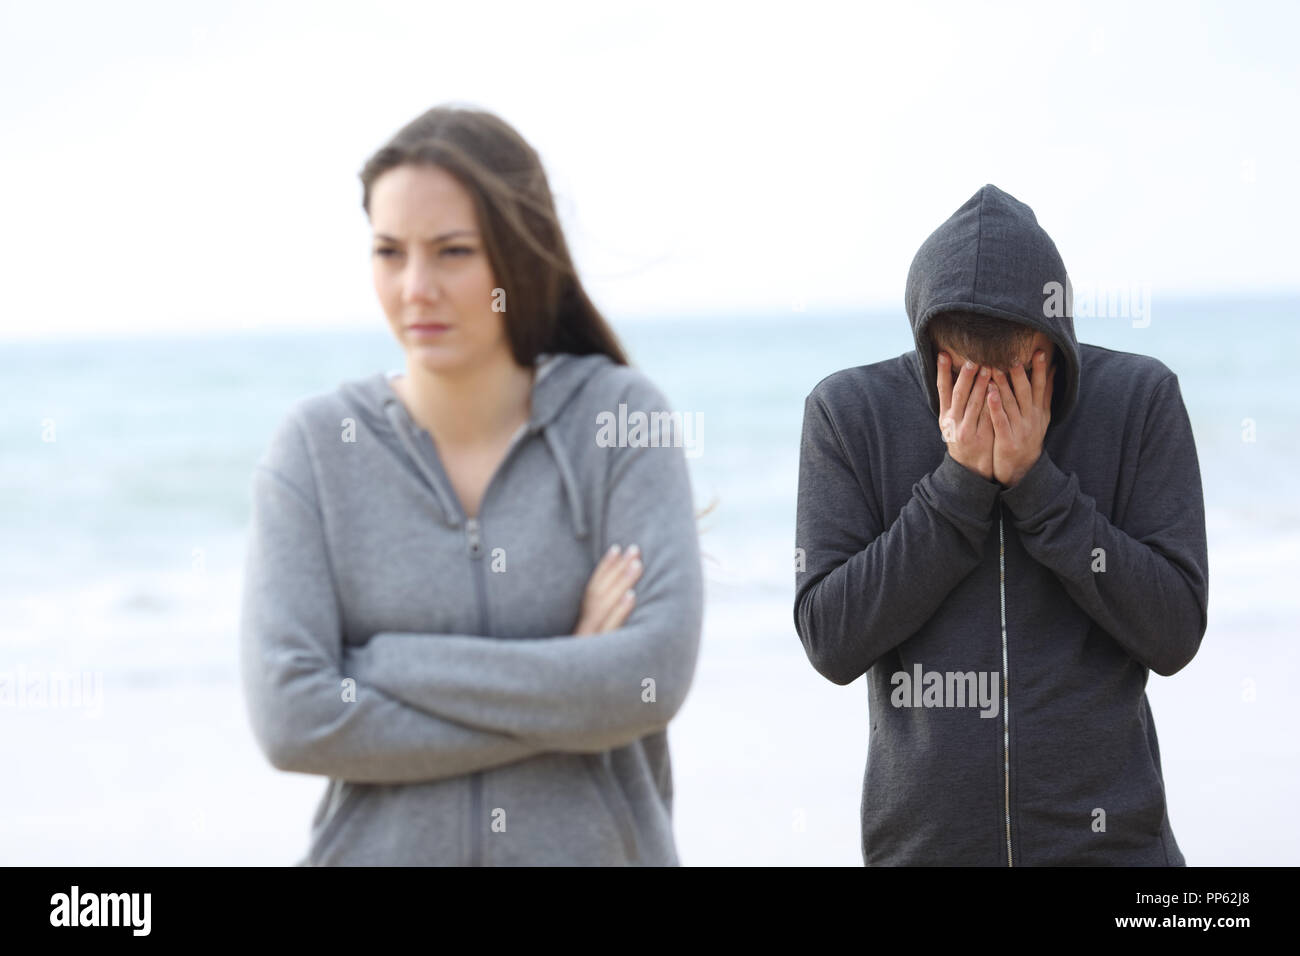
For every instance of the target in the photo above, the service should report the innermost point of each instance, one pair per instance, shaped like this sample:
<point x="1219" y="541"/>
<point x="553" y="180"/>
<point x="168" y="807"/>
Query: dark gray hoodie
<point x="1006" y="634"/>
<point x="423" y="661"/>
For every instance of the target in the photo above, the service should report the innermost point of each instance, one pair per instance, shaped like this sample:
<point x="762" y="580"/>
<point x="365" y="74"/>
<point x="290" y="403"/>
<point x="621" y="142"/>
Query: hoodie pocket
<point x="616" y="804"/>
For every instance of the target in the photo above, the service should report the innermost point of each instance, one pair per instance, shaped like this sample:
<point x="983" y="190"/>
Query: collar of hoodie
<point x="546" y="405"/>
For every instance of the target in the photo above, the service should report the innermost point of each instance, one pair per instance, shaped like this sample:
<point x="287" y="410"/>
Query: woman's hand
<point x="609" y="598"/>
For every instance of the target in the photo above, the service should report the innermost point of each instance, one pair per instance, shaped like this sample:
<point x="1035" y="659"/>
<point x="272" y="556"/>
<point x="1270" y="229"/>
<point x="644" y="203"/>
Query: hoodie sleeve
<point x="567" y="692"/>
<point x="864" y="588"/>
<point x="1153" y="595"/>
<point x="291" y="654"/>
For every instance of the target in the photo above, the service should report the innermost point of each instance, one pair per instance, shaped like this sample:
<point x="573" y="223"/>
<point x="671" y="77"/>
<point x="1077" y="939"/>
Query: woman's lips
<point x="432" y="328"/>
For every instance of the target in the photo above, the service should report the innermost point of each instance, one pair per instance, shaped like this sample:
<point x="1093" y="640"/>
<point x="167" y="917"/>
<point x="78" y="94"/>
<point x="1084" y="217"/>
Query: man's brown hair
<point x="984" y="339"/>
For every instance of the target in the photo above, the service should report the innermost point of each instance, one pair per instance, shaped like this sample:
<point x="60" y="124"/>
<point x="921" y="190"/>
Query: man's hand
<point x="965" y="417"/>
<point x="1019" y="412"/>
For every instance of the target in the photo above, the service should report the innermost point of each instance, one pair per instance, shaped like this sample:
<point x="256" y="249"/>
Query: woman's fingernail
<point x="633" y="551"/>
<point x="613" y="550"/>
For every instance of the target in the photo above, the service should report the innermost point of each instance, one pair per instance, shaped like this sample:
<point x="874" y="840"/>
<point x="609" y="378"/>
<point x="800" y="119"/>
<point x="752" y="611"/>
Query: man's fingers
<point x="944" y="383"/>
<point x="1006" y="397"/>
<point x="975" y="404"/>
<point x="1040" y="377"/>
<point x="1024" y="391"/>
<point x="998" y="414"/>
<point x="961" y="391"/>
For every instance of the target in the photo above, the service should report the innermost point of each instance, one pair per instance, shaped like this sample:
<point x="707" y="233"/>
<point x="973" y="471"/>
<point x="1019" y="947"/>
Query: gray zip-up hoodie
<point x="424" y="661"/>
<point x="1039" y="609"/>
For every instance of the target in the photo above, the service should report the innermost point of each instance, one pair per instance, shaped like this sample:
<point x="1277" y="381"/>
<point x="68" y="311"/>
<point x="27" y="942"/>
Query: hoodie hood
<point x="559" y="378"/>
<point x="992" y="257"/>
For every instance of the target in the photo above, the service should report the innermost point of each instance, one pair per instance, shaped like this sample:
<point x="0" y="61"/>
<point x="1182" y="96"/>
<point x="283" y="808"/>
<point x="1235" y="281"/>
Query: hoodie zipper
<point x="475" y="547"/>
<point x="1006" y="681"/>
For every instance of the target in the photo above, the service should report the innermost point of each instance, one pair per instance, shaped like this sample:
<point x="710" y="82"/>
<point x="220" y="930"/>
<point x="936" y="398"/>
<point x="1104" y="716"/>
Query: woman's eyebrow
<point x="441" y="238"/>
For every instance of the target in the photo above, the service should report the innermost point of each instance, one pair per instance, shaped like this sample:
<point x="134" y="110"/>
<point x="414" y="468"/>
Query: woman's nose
<point x="419" y="282"/>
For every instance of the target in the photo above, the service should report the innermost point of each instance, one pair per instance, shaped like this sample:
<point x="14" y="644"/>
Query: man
<point x="1005" y="550"/>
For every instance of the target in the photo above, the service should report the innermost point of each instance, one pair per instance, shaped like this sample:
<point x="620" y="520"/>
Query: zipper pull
<point x="471" y="531"/>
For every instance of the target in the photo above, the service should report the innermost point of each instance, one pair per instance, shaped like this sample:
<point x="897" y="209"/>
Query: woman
<point x="471" y="614"/>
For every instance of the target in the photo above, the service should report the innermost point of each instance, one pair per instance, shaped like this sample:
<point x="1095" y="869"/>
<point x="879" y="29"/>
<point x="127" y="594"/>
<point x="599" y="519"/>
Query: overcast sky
<point x="194" y="165"/>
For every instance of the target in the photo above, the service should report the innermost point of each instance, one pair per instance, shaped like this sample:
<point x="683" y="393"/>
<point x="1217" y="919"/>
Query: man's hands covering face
<point x="964" y="416"/>
<point x="994" y="423"/>
<point x="1020" y="413"/>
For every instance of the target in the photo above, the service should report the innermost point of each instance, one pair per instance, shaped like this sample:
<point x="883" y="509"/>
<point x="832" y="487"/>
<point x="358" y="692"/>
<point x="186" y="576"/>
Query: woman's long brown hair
<point x="546" y="307"/>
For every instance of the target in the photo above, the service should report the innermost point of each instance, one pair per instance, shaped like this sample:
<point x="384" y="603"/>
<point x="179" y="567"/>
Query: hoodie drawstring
<point x="450" y="513"/>
<point x="570" y="483"/>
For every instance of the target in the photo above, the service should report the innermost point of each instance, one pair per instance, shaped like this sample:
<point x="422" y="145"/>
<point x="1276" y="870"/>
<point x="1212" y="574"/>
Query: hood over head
<point x="992" y="257"/>
<point x="560" y="376"/>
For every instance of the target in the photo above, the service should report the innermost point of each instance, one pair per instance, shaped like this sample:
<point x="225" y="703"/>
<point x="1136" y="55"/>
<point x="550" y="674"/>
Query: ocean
<point x="125" y="469"/>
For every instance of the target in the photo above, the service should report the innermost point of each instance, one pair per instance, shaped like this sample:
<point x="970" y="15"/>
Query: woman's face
<point x="430" y="269"/>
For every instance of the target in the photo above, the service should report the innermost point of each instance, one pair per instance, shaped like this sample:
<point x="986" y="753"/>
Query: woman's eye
<point x="458" y="249"/>
<point x="385" y="252"/>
